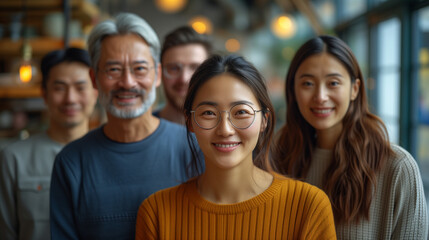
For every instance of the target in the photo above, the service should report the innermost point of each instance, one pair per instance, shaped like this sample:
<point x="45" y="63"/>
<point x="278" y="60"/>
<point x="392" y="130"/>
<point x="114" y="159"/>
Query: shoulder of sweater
<point x="306" y="195"/>
<point x="37" y="140"/>
<point x="165" y="124"/>
<point x="172" y="190"/>
<point x="401" y="159"/>
<point x="300" y="186"/>
<point x="85" y="141"/>
<point x="400" y="152"/>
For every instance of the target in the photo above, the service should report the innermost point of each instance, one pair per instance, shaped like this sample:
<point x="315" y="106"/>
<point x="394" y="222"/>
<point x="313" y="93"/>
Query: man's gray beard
<point x="106" y="100"/>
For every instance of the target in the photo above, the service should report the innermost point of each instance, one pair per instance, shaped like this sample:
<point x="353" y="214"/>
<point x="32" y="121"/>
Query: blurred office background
<point x="389" y="37"/>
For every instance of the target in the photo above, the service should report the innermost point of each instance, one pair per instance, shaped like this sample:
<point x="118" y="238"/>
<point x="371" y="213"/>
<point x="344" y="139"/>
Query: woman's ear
<point x="264" y="121"/>
<point x="188" y="123"/>
<point x="355" y="89"/>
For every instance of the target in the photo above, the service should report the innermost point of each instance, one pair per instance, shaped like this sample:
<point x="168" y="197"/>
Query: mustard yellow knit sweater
<point x="288" y="209"/>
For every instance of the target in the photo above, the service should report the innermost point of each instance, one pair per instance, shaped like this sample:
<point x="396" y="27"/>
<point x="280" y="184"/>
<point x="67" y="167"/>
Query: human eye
<point x="242" y="111"/>
<point x="114" y="71"/>
<point x="307" y="83"/>
<point x="206" y="112"/>
<point x="59" y="87"/>
<point x="140" y="70"/>
<point x="173" y="69"/>
<point x="81" y="87"/>
<point x="334" y="83"/>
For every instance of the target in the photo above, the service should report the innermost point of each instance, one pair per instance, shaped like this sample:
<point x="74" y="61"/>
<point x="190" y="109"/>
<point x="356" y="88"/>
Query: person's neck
<point x="233" y="186"/>
<point x="327" y="139"/>
<point x="65" y="135"/>
<point x="130" y="130"/>
<point x="172" y="114"/>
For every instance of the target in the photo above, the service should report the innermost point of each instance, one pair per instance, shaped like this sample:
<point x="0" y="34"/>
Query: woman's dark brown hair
<point x="361" y="149"/>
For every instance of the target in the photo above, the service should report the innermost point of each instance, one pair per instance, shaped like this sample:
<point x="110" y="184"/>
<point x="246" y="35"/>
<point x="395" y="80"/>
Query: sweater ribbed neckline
<point x="205" y="205"/>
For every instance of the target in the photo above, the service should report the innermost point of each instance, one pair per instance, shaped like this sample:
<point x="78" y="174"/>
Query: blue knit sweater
<point x="98" y="184"/>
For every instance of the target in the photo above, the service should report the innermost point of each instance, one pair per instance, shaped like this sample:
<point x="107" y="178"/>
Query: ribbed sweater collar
<point x="192" y="191"/>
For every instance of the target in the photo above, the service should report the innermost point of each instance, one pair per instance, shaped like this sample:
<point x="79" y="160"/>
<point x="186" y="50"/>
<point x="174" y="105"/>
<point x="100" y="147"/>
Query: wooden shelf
<point x="40" y="46"/>
<point x="35" y="11"/>
<point x="31" y="91"/>
<point x="18" y="4"/>
<point x="37" y="7"/>
<point x="32" y="15"/>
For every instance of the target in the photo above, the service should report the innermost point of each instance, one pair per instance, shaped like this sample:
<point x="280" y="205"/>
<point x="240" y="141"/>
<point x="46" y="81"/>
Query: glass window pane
<point x="420" y="70"/>
<point x="351" y="8"/>
<point x="357" y="38"/>
<point x="387" y="77"/>
<point x="388" y="102"/>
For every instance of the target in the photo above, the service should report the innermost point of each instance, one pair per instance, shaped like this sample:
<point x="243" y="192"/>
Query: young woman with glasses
<point x="237" y="196"/>
<point x="331" y="140"/>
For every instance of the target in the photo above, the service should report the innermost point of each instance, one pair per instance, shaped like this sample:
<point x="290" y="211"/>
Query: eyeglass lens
<point x="139" y="70"/>
<point x="241" y="116"/>
<point x="173" y="70"/>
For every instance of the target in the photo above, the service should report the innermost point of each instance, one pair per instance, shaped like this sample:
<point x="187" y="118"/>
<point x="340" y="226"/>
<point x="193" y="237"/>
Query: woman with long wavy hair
<point x="331" y="140"/>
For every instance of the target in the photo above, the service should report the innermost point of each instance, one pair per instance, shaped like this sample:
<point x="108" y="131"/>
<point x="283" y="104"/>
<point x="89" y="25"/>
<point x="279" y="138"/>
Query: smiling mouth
<point x="322" y="111"/>
<point x="126" y="96"/>
<point x="226" y="145"/>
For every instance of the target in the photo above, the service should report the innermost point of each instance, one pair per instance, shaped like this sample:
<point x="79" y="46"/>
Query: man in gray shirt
<point x="26" y="166"/>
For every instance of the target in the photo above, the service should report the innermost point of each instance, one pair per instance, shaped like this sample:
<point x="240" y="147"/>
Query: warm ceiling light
<point x="171" y="6"/>
<point x="232" y="45"/>
<point x="283" y="26"/>
<point x="26" y="71"/>
<point x="201" y="25"/>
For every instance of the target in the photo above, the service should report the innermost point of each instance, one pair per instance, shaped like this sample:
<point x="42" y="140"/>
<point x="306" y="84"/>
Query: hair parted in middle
<point x="360" y="152"/>
<point x="243" y="70"/>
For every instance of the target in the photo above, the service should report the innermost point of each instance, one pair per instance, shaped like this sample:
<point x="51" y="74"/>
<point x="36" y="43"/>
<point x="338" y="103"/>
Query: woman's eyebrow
<point x="207" y="103"/>
<point x="241" y="102"/>
<point x="231" y="104"/>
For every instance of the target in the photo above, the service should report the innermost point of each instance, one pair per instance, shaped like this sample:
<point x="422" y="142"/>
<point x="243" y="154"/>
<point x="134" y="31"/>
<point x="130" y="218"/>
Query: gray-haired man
<point x="99" y="181"/>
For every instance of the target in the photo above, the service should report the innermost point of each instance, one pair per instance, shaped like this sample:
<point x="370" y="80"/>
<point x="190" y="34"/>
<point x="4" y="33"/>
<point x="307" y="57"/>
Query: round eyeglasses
<point x="116" y="71"/>
<point x="174" y="70"/>
<point x="241" y="116"/>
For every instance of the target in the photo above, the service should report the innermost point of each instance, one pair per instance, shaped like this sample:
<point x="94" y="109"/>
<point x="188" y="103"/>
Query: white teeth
<point x="322" y="111"/>
<point x="226" y="145"/>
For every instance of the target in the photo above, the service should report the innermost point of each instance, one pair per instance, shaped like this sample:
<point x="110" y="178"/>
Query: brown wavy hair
<point x="361" y="149"/>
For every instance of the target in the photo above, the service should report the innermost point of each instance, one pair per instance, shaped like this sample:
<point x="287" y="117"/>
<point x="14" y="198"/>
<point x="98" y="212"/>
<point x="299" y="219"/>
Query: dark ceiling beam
<point x="305" y="7"/>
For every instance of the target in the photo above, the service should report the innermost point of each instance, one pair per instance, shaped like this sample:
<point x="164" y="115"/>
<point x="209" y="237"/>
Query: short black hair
<point x="56" y="57"/>
<point x="186" y="35"/>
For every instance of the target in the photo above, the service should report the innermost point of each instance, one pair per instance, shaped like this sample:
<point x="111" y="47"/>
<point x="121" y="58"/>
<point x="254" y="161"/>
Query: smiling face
<point x="130" y="93"/>
<point x="69" y="95"/>
<point x="225" y="146"/>
<point x="181" y="62"/>
<point x="323" y="90"/>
